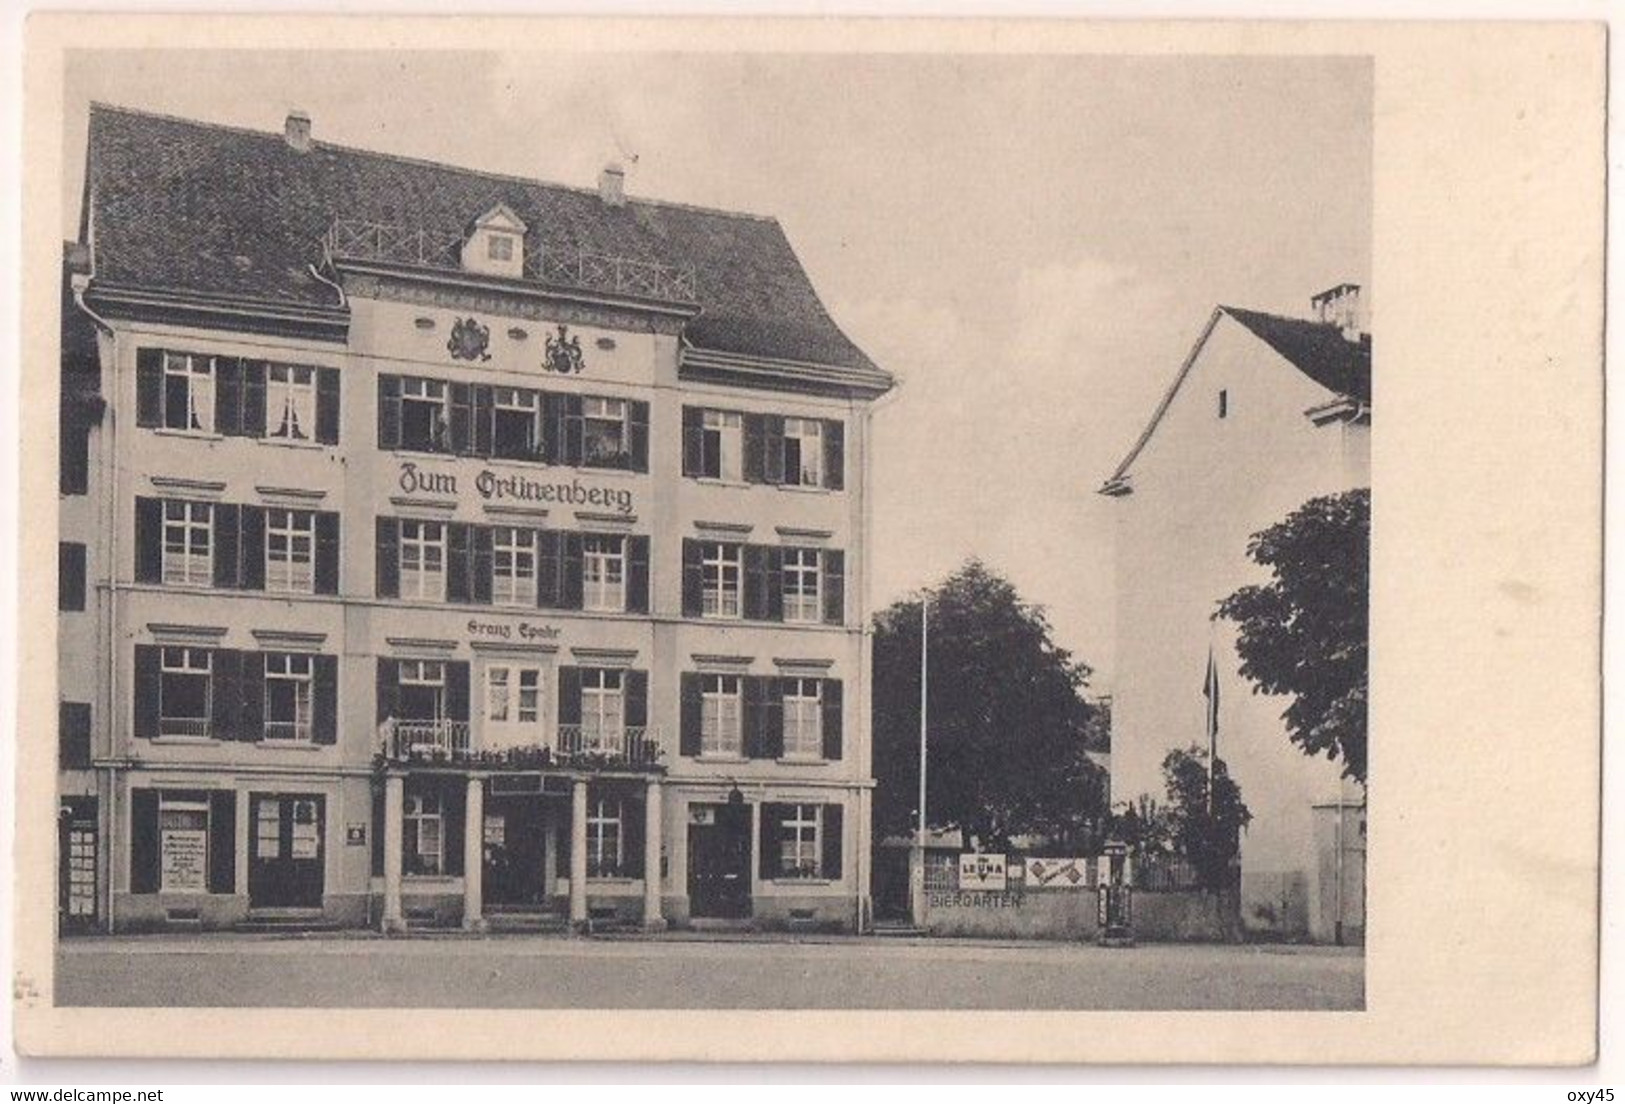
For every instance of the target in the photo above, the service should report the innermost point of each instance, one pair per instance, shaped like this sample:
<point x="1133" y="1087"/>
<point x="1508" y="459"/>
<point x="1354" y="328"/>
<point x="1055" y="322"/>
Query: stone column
<point x="578" y="855"/>
<point x="652" y="812"/>
<point x="474" y="855"/>
<point x="394" y="817"/>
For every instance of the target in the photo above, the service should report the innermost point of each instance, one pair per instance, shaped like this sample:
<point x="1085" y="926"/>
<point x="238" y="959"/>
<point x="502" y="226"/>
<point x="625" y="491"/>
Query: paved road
<point x="537" y="972"/>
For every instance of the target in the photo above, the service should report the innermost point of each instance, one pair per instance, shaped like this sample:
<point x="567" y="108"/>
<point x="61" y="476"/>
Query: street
<point x="551" y="972"/>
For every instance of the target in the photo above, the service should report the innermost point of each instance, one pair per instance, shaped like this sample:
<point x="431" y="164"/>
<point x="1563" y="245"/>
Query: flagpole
<point x="925" y="631"/>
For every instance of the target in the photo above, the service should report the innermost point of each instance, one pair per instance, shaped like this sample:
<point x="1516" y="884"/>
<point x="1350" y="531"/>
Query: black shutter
<point x="389" y="558"/>
<point x="481" y="563"/>
<point x="773" y="448"/>
<point x="485" y="409"/>
<point x="549" y="567"/>
<point x="251" y="549"/>
<point x="327" y="551"/>
<point x="327" y="406"/>
<point x="462" y="419"/>
<point x="222" y="841"/>
<point x="574" y="437"/>
<point x="830" y="704"/>
<point x="149" y="540"/>
<point x="459" y="564"/>
<point x="753" y="707"/>
<point x="693" y="441"/>
<point x="149" y="387"/>
<point x="637" y="574"/>
<point x="773" y="718"/>
<point x="569" y="695"/>
<point x="833" y="567"/>
<point x="389" y="688"/>
<point x="254" y="398"/>
<point x="227" y="523"/>
<point x="632" y="829"/>
<point x="144" y="841"/>
<point x="756" y="582"/>
<point x="225" y="672"/>
<point x="554" y="410"/>
<point x="637" y="426"/>
<point x="688" y="736"/>
<point x="389" y="412"/>
<point x="831" y="866"/>
<point x="773" y="577"/>
<point x="570" y="574"/>
<point x="635" y="688"/>
<point x="453" y="812"/>
<point x="250" y="696"/>
<point x="228" y="396"/>
<point x="73" y="735"/>
<point x="755" y="458"/>
<point x="148" y="678"/>
<point x="457" y="690"/>
<point x="693" y="579"/>
<point x="70" y="575"/>
<point x="772" y="831"/>
<point x="835" y="456"/>
<point x="325" y="715"/>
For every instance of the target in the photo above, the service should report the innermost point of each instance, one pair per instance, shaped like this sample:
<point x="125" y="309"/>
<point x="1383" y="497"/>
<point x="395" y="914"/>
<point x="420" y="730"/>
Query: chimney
<point x="1341" y="306"/>
<point x="296" y="130"/>
<point x="612" y="185"/>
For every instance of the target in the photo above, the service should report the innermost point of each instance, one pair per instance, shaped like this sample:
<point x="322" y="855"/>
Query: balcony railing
<point x="573" y="745"/>
<point x="410" y="740"/>
<point x="634" y="746"/>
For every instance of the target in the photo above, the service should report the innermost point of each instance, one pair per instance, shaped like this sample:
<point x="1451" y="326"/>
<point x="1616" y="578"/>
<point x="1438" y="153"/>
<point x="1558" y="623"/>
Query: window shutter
<point x="569" y="695"/>
<point x="832" y="566"/>
<point x="554" y="410"/>
<point x="70" y="575"/>
<point x="228" y="396"/>
<point x="453" y="825"/>
<point x="755" y="458"/>
<point x="549" y="567"/>
<point x="637" y="574"/>
<point x="835" y="455"/>
<point x="481" y="563"/>
<point x="327" y="406"/>
<point x="688" y="735"/>
<point x="632" y="829"/>
<point x="693" y="579"/>
<point x="635" y="686"/>
<point x="325" y="691"/>
<point x="830" y="722"/>
<point x="637" y="427"/>
<point x="73" y="452"/>
<point x="575" y="432"/>
<point x="773" y="583"/>
<point x="227" y="519"/>
<point x="457" y="690"/>
<point x="693" y="441"/>
<point x="148" y="677"/>
<point x="485" y="411"/>
<point x="225" y="694"/>
<point x="462" y="419"/>
<point x="389" y="558"/>
<point x="459" y="564"/>
<point x="73" y="735"/>
<point x="570" y="579"/>
<point x="831" y="841"/>
<point x="773" y="448"/>
<point x="253" y="420"/>
<point x="251" y="696"/>
<point x="144" y="841"/>
<point x="756" y="582"/>
<point x="753" y="709"/>
<point x="222" y="841"/>
<point x="773" y="718"/>
<point x="149" y="387"/>
<point x="327" y="550"/>
<point x="149" y="540"/>
<point x="389" y="412"/>
<point x="389" y="688"/>
<point x="771" y="836"/>
<point x="251" y="548"/>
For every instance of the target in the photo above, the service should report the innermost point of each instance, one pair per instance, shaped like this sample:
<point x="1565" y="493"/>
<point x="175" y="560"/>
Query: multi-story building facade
<point x="449" y="548"/>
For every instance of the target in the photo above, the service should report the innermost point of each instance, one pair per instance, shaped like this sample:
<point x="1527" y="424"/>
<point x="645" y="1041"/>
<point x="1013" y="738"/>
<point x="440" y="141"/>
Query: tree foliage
<point x="1008" y="722"/>
<point x="1207" y="836"/>
<point x="1304" y="634"/>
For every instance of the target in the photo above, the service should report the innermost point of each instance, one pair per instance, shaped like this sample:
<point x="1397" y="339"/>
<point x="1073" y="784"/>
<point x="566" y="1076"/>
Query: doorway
<point x="719" y="855"/>
<point x="285" y="857"/>
<point x="515" y="851"/>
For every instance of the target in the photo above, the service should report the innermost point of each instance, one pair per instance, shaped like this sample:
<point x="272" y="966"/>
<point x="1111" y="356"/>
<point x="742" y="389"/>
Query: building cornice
<point x="768" y="373"/>
<point x="238" y="315"/>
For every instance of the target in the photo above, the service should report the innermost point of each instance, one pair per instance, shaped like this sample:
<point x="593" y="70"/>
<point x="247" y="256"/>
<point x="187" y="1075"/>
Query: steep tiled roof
<point x="187" y="207"/>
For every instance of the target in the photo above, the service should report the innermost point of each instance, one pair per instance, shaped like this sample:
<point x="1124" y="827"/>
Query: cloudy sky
<point x="1030" y="243"/>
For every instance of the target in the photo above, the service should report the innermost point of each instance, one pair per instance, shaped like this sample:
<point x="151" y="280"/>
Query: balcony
<point x="451" y="743"/>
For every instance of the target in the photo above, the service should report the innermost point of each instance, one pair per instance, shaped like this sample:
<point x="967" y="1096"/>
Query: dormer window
<point x="494" y="244"/>
<point x="499" y="247"/>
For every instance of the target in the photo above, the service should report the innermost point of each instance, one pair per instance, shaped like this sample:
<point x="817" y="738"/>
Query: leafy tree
<point x="1208" y="836"/>
<point x="1008" y="722"/>
<point x="1305" y="633"/>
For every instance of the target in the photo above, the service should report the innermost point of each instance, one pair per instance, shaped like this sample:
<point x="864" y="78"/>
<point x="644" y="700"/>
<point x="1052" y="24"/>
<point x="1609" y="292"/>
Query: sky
<point x="1031" y="244"/>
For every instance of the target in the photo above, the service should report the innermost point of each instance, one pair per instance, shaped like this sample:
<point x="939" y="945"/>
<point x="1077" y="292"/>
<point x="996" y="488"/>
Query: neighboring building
<point x="1266" y="413"/>
<point x="450" y="548"/>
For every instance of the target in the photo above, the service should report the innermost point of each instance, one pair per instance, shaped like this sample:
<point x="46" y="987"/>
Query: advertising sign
<point x="981" y="872"/>
<point x="185" y="860"/>
<point x="1057" y="873"/>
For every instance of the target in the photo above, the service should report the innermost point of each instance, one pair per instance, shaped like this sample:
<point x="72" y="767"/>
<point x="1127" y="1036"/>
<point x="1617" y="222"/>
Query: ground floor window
<point x="801" y="841"/>
<point x="423" y="838"/>
<point x="605" y="838"/>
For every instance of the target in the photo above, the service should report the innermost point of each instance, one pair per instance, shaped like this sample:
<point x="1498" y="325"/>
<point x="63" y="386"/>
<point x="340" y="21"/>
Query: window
<point x="183" y="692"/>
<point x="183" y="833"/>
<point x="801" y="594"/>
<point x="290" y="403"/>
<point x="423" y="560"/>
<point x="799" y="848"/>
<point x="1224" y="403"/>
<point x="422" y="685"/>
<point x="189" y="392"/>
<point x="516" y="424"/>
<point x="290" y="551"/>
<point x="720" y="449"/>
<point x="188" y="533"/>
<point x="803" y="733"/>
<point x="513" y="696"/>
<point x="513" y="566"/>
<point x="499" y="247"/>
<point x="70" y="575"/>
<point x="604" y="839"/>
<point x="804" y="452"/>
<point x="288" y="697"/>
<point x="424" y="417"/>
<point x="603" y="716"/>
<point x="423" y="834"/>
<point x="603" y="573"/>
<point x="604" y="438"/>
<point x="719" y="579"/>
<point x="720" y="715"/>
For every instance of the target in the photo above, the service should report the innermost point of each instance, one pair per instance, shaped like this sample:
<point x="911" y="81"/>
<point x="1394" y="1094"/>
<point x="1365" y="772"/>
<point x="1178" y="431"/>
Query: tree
<point x="1008" y="723"/>
<point x="1305" y="633"/>
<point x="1207" y="835"/>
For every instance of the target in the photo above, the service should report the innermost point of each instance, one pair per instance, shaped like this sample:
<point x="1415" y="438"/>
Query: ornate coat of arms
<point x="469" y="340"/>
<point x="563" y="353"/>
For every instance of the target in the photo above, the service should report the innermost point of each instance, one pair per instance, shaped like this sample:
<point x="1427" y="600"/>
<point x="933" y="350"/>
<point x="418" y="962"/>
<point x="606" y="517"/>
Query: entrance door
<point x="77" y="872"/>
<point x="719" y="861"/>
<point x="285" y="857"/>
<point x="515" y="855"/>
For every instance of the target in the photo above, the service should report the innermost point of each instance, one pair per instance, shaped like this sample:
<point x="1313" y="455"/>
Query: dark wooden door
<point x="514" y="851"/>
<point x="285" y="852"/>
<point x="719" y="863"/>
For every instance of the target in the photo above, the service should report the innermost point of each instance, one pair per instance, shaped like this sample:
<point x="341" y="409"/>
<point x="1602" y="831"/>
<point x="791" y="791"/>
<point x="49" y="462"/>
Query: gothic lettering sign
<point x="563" y="353"/>
<point x="497" y="486"/>
<point x="941" y="899"/>
<point x="527" y="631"/>
<point x="469" y="340"/>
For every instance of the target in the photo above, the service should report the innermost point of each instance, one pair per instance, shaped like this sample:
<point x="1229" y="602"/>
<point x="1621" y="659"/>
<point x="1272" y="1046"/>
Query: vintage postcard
<point x="811" y="540"/>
